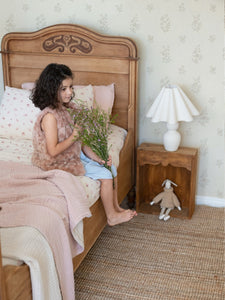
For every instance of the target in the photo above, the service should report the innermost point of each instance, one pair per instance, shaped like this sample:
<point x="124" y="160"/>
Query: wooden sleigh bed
<point x="97" y="60"/>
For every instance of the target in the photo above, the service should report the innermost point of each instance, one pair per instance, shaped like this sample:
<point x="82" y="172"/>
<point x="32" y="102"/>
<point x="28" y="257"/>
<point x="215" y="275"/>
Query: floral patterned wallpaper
<point x="180" y="42"/>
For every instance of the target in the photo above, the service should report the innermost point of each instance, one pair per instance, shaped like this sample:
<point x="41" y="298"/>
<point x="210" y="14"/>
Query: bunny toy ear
<point x="168" y="180"/>
<point x="164" y="182"/>
<point x="173" y="183"/>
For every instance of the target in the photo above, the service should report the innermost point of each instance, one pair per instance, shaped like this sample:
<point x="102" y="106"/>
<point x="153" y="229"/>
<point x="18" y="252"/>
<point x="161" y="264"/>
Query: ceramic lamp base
<point x="172" y="137"/>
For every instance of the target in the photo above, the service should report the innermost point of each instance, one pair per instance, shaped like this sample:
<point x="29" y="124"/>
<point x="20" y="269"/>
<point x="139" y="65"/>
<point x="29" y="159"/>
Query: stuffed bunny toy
<point x="168" y="200"/>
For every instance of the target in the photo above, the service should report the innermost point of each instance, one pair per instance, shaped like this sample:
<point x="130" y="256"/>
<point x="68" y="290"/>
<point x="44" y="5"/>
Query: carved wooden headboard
<point x="94" y="59"/>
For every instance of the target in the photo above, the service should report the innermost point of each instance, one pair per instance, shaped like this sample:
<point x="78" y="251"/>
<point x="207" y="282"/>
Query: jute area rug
<point x="151" y="259"/>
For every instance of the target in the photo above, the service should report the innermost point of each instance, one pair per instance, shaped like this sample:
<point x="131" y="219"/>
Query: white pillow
<point x="84" y="95"/>
<point x="28" y="85"/>
<point x="17" y="114"/>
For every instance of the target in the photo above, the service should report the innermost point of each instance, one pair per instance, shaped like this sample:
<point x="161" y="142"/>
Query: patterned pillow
<point x="17" y="114"/>
<point x="84" y="95"/>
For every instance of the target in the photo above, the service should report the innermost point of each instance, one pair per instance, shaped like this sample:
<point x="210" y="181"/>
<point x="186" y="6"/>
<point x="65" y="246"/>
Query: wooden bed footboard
<point x="2" y="278"/>
<point x="17" y="283"/>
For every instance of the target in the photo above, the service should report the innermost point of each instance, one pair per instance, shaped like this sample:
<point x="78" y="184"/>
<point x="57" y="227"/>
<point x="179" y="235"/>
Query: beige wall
<point x="179" y="42"/>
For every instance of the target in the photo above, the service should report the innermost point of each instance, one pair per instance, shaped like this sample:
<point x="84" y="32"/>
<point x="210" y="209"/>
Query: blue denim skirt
<point x="96" y="171"/>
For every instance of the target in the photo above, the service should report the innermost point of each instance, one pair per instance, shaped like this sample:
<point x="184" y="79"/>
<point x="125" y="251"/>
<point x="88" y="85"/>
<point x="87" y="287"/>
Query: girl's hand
<point x="76" y="131"/>
<point x="109" y="161"/>
<point x="101" y="162"/>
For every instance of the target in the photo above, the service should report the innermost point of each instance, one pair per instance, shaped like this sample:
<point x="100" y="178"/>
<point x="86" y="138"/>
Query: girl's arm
<point x="89" y="152"/>
<point x="49" y="126"/>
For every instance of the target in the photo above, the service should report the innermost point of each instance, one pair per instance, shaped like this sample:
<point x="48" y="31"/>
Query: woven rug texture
<point x="151" y="259"/>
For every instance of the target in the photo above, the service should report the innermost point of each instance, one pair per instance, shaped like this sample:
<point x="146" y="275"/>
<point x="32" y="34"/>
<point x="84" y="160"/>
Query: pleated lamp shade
<point x="172" y="106"/>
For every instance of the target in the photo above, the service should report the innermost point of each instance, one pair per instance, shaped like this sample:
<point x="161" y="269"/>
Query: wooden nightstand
<point x="154" y="165"/>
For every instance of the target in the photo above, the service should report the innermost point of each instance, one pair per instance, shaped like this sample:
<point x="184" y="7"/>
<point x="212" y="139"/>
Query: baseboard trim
<point x="210" y="201"/>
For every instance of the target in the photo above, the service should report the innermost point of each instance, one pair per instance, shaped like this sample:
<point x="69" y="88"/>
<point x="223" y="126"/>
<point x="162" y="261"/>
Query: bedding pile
<point x="51" y="201"/>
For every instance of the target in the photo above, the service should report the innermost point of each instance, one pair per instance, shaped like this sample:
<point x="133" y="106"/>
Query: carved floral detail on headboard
<point x="70" y="42"/>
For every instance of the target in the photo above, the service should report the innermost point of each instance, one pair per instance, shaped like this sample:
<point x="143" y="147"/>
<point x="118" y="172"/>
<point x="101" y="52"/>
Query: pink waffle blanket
<point x="53" y="202"/>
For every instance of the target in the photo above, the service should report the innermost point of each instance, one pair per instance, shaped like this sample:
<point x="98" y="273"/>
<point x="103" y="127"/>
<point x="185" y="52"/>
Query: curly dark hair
<point x="45" y="93"/>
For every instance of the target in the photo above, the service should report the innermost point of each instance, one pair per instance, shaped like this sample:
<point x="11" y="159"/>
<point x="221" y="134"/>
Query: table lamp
<point x="172" y="106"/>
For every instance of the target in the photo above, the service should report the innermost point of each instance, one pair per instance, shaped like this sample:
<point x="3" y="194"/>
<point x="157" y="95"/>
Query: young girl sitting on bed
<point x="54" y="141"/>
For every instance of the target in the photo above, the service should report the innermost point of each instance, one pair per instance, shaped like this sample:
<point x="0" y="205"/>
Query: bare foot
<point x="120" y="209"/>
<point x="120" y="217"/>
